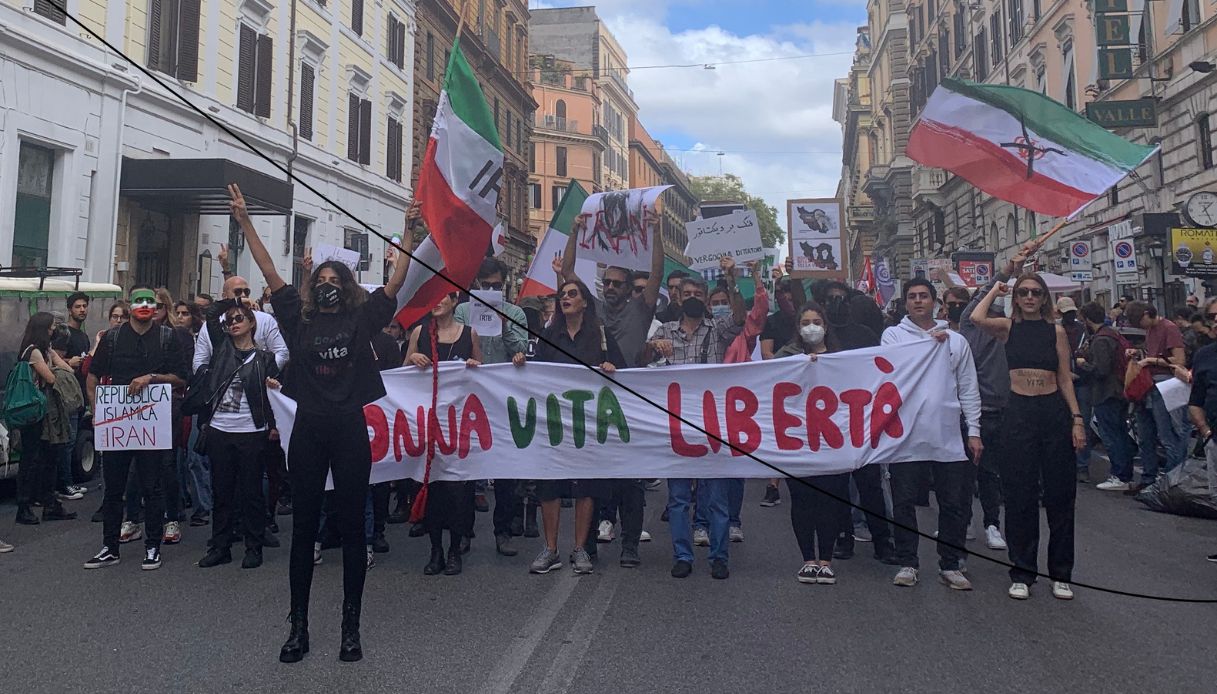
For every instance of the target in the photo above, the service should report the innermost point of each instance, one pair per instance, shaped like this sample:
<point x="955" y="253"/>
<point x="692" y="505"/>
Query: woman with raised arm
<point x="332" y="375"/>
<point x="1037" y="443"/>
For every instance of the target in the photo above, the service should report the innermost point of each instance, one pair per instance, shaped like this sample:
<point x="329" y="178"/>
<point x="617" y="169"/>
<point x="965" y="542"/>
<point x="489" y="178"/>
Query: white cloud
<point x="748" y="110"/>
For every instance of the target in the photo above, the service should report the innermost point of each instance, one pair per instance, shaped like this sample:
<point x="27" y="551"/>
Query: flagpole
<point x="460" y="22"/>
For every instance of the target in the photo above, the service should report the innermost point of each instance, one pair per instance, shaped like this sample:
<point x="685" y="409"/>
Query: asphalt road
<point x="496" y="628"/>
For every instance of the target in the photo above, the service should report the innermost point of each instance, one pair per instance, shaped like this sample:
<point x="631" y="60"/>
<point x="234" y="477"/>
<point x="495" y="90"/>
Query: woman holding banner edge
<point x="332" y="375"/>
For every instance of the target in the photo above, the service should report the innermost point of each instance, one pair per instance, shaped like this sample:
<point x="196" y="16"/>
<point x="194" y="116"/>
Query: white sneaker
<point x="1112" y="484"/>
<point x="5" y="547"/>
<point x="130" y="532"/>
<point x="76" y="488"/>
<point x="644" y="537"/>
<point x="955" y="580"/>
<point x="173" y="533"/>
<point x="737" y="534"/>
<point x="971" y="534"/>
<point x="1019" y="591"/>
<point x="1061" y="591"/>
<point x="701" y="538"/>
<point x="605" y="533"/>
<point x="371" y="560"/>
<point x="993" y="538"/>
<point x="906" y="577"/>
<point x="316" y="556"/>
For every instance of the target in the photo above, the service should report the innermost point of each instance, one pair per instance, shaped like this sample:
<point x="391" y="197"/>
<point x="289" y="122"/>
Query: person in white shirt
<point x="952" y="481"/>
<point x="266" y="336"/>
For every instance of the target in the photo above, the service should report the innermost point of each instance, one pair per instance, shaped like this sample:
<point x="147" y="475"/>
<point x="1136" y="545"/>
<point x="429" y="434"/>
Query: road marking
<point x="565" y="664"/>
<point x="511" y="665"/>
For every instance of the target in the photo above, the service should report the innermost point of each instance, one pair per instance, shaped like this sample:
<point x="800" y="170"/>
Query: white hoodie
<point x="966" y="386"/>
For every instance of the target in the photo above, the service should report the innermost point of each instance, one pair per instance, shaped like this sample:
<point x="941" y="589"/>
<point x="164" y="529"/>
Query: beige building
<point x="851" y="108"/>
<point x="568" y="140"/>
<point x="111" y="172"/>
<point x="650" y="166"/>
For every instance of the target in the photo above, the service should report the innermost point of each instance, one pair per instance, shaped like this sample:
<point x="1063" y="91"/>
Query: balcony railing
<point x="927" y="182"/>
<point x="559" y="123"/>
<point x="615" y="75"/>
<point x="600" y="133"/>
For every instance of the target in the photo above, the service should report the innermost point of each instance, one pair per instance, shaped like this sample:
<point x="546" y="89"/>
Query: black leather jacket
<point x="253" y="372"/>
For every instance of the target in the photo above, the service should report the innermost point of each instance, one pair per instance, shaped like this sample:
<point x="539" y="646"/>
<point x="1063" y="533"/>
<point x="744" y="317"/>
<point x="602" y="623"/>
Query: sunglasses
<point x="639" y="290"/>
<point x="241" y="291"/>
<point x="492" y="286"/>
<point x="1023" y="292"/>
<point x="236" y="319"/>
<point x="614" y="283"/>
<point x="956" y="303"/>
<point x="571" y="294"/>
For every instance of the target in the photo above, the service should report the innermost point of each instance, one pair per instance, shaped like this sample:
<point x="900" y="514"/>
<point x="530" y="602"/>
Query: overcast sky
<point x="772" y="119"/>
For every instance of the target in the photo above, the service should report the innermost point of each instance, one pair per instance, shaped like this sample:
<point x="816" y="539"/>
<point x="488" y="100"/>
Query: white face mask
<point x="720" y="311"/>
<point x="812" y="334"/>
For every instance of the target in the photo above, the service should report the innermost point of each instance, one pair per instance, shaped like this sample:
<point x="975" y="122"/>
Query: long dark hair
<point x="589" y="310"/>
<point x="353" y="295"/>
<point x="1046" y="311"/>
<point x="38" y="333"/>
<point x="831" y="344"/>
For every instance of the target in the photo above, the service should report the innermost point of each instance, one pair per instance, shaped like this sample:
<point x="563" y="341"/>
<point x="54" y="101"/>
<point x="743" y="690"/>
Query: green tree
<point x="730" y="187"/>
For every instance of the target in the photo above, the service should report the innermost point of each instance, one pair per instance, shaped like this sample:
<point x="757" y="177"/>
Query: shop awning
<point x="200" y="186"/>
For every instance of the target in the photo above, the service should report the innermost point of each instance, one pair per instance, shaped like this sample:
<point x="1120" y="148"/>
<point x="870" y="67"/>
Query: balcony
<point x="615" y="76"/>
<point x="927" y="183"/>
<point x="551" y="122"/>
<point x="600" y="133"/>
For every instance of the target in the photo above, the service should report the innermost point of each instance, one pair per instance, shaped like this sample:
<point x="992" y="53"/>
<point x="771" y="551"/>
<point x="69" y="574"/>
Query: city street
<point x="495" y="628"/>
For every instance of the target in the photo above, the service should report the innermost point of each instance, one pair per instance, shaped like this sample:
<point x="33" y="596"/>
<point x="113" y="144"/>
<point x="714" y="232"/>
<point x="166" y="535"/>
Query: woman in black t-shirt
<point x="332" y="375"/>
<point x="449" y="503"/>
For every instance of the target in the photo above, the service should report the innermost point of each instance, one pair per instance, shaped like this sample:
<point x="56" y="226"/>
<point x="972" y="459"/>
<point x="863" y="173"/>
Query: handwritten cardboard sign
<point x="125" y="422"/>
<point x="621" y="227"/>
<point x="324" y="252"/>
<point x="737" y="234"/>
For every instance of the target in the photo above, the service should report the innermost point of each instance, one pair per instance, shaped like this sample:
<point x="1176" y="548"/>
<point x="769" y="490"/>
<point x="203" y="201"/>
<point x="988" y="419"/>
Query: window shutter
<point x="365" y="132"/>
<point x="391" y="39"/>
<point x="265" y="62"/>
<point x="49" y="11"/>
<point x="188" y="40"/>
<point x="307" y="78"/>
<point x="357" y="16"/>
<point x="353" y="128"/>
<point x="155" y="17"/>
<point x="247" y="52"/>
<point x="401" y="45"/>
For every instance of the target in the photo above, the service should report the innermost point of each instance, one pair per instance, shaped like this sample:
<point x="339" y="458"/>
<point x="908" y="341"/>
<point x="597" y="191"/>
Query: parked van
<point x="22" y="297"/>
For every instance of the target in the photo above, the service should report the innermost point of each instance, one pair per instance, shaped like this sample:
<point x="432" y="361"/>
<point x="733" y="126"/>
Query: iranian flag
<point x="458" y="189"/>
<point x="1020" y="146"/>
<point x="541" y="277"/>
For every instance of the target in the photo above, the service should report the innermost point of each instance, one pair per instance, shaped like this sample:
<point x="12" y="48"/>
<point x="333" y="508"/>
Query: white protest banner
<point x="324" y="252"/>
<point x="125" y="422"/>
<point x="737" y="235"/>
<point x="482" y="318"/>
<point x="621" y="227"/>
<point x="553" y="421"/>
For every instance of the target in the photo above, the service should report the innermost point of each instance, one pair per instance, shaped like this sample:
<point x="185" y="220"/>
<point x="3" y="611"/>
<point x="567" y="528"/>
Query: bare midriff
<point x="1032" y="382"/>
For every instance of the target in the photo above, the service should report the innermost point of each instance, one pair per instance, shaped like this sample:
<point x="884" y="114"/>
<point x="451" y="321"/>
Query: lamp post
<point x="1156" y="251"/>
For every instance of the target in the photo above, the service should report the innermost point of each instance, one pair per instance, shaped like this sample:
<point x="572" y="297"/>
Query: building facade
<point x="568" y="141"/>
<point x="851" y="108"/>
<point x="577" y="35"/>
<point x="651" y="166"/>
<point x="494" y="40"/>
<point x="104" y="169"/>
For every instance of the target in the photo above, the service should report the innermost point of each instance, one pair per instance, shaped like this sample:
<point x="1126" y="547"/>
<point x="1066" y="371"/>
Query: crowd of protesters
<point x="1040" y="382"/>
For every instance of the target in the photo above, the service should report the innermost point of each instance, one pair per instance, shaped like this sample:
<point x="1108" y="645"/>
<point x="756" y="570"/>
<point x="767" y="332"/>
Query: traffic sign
<point x="1124" y="260"/>
<point x="1081" y="266"/>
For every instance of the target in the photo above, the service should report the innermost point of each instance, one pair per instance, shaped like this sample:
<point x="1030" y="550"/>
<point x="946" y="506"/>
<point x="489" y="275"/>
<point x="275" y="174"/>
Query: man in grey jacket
<point x="952" y="480"/>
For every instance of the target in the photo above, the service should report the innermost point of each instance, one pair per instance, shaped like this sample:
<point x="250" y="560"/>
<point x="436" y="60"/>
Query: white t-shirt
<point x="232" y="413"/>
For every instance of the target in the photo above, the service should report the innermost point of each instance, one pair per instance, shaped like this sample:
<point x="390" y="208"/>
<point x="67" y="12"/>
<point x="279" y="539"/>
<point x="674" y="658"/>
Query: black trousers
<point x="630" y="497"/>
<point x="148" y="467"/>
<point x="237" y="465"/>
<point x="816" y="516"/>
<point x="380" y="506"/>
<point x="36" y="475"/>
<point x="336" y="444"/>
<point x="869" y="481"/>
<point x="277" y="485"/>
<point x="507" y="505"/>
<point x="1037" y="446"/>
<point x="988" y="473"/>
<point x="952" y="485"/>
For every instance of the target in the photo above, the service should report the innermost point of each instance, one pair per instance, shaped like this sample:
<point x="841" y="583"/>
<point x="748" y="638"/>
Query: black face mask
<point x="693" y="308"/>
<point x="837" y="311"/>
<point x="326" y="295"/>
<point x="955" y="313"/>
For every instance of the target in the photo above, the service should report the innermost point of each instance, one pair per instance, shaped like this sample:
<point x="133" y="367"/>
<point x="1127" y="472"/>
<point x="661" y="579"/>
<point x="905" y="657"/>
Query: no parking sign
<point x="1081" y="266"/>
<point x="1124" y="260"/>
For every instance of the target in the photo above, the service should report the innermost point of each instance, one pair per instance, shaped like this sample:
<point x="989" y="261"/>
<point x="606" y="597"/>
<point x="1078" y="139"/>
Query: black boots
<point x="297" y="640"/>
<point x="454" y="560"/>
<point x="436" y="565"/>
<point x="350" y="650"/>
<point x="25" y="516"/>
<point x="53" y="510"/>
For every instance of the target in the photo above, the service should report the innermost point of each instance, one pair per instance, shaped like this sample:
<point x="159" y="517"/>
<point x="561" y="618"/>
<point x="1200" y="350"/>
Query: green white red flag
<point x="541" y="278"/>
<point x="1020" y="146"/>
<point x="458" y="189"/>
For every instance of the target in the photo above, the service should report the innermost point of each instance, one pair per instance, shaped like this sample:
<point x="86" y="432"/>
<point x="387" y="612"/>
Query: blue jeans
<point x="1154" y="425"/>
<point x="712" y="496"/>
<point x="735" y="504"/>
<point x="1113" y="430"/>
<point x="62" y="455"/>
<point x="196" y="476"/>
<point x="1085" y="408"/>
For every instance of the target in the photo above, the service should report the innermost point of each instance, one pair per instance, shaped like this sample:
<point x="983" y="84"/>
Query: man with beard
<point x="671" y="311"/>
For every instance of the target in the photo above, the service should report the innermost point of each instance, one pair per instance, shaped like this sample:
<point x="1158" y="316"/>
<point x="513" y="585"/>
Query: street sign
<point x="1124" y="114"/>
<point x="1111" y="29"/>
<point x="1115" y="63"/>
<point x="1081" y="266"/>
<point x="1110" y="5"/>
<point x="1124" y="260"/>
